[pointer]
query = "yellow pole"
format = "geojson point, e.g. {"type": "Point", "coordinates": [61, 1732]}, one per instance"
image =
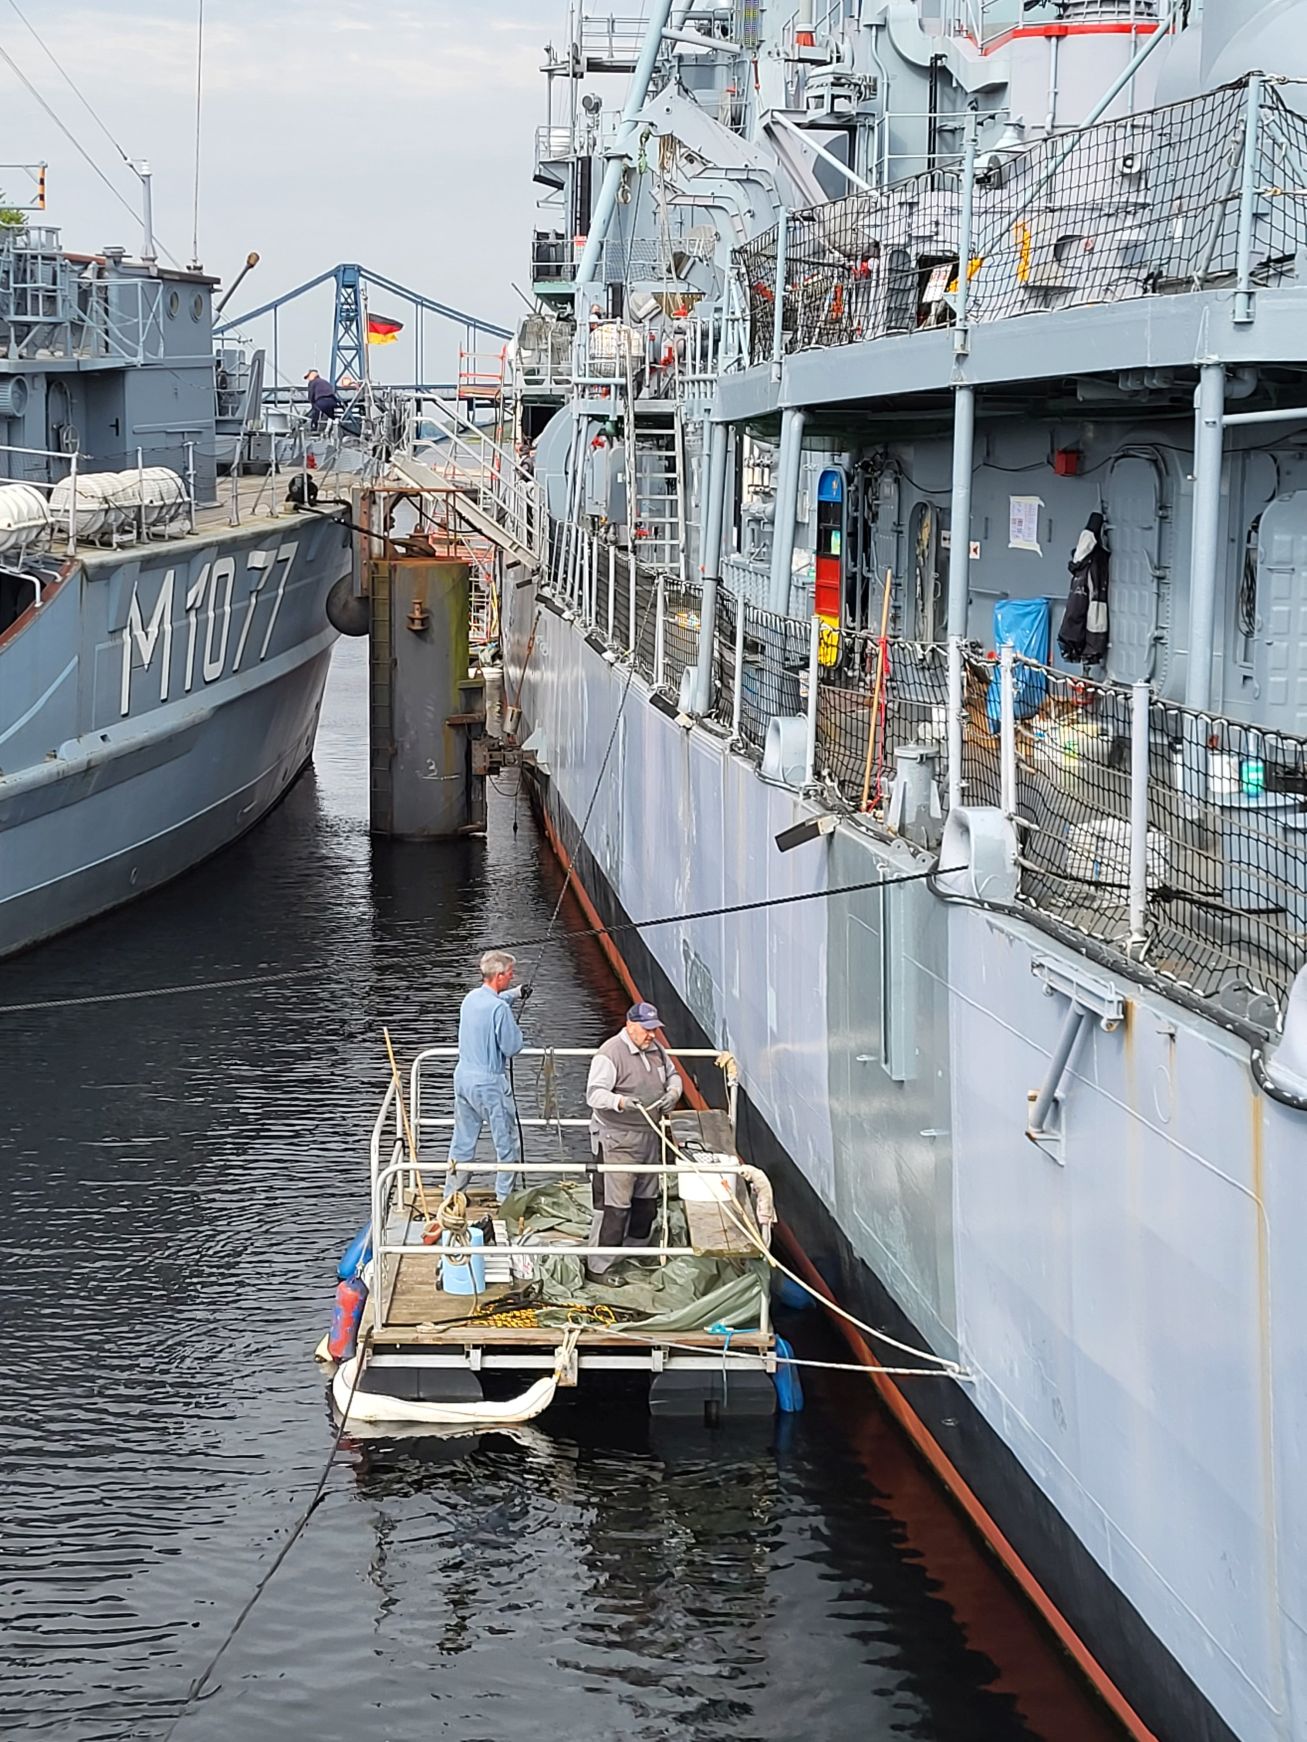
{"type": "Point", "coordinates": [408, 1129]}
{"type": "Point", "coordinates": [874, 723]}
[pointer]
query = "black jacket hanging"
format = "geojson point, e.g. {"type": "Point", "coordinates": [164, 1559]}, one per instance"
{"type": "Point", "coordinates": [1082, 638]}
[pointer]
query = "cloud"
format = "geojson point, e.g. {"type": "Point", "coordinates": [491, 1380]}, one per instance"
{"type": "Point", "coordinates": [381, 131]}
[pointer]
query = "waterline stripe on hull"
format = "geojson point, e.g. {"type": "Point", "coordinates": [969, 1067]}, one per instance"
{"type": "Point", "coordinates": [892, 1395]}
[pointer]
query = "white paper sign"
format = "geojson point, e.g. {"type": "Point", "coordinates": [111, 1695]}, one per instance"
{"type": "Point", "coordinates": [1023, 523]}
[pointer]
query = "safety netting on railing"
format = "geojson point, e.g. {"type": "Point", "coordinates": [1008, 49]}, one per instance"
{"type": "Point", "coordinates": [1227, 819]}
{"type": "Point", "coordinates": [853, 268]}
{"type": "Point", "coordinates": [980, 745]}
{"type": "Point", "coordinates": [1147, 204]}
{"type": "Point", "coordinates": [1071, 793]}
{"type": "Point", "coordinates": [1210, 892]}
{"type": "Point", "coordinates": [1222, 861]}
{"type": "Point", "coordinates": [875, 696]}
{"type": "Point", "coordinates": [682, 602]}
{"type": "Point", "coordinates": [773, 673]}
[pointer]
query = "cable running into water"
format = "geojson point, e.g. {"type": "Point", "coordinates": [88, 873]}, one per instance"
{"type": "Point", "coordinates": [198, 1685]}
{"type": "Point", "coordinates": [586, 931]}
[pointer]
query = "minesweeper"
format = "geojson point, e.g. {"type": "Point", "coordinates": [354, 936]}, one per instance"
{"type": "Point", "coordinates": [164, 640]}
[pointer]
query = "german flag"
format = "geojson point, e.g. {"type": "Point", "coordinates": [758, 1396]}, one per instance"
{"type": "Point", "coordinates": [383, 332]}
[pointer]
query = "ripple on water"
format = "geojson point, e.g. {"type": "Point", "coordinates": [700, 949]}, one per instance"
{"type": "Point", "coordinates": [179, 1178]}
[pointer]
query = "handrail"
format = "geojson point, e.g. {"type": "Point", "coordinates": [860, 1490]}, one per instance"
{"type": "Point", "coordinates": [507, 492]}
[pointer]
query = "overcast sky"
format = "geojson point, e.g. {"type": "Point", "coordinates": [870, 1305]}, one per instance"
{"type": "Point", "coordinates": [397, 133]}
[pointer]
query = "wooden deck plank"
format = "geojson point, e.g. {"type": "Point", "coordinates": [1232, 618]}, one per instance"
{"type": "Point", "coordinates": [420, 1313]}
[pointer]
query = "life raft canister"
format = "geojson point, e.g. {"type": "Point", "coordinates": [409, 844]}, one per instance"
{"type": "Point", "coordinates": [351, 1298]}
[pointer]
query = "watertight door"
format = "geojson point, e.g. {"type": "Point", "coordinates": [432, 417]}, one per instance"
{"type": "Point", "coordinates": [1134, 529]}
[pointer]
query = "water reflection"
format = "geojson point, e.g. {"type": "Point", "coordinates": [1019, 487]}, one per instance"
{"type": "Point", "coordinates": [180, 1175]}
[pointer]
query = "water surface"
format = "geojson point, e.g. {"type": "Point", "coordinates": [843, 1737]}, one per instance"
{"type": "Point", "coordinates": [179, 1175]}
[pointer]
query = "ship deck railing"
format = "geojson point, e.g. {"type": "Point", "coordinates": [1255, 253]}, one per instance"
{"type": "Point", "coordinates": [1173, 839]}
{"type": "Point", "coordinates": [410, 1319]}
{"type": "Point", "coordinates": [1201, 194]}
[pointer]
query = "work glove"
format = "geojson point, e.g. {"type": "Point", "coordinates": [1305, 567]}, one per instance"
{"type": "Point", "coordinates": [524, 992]}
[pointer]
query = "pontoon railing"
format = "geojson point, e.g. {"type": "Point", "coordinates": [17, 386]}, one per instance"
{"type": "Point", "coordinates": [396, 1175]}
{"type": "Point", "coordinates": [421, 1121]}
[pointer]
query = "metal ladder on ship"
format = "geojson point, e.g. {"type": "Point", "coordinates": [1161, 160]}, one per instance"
{"type": "Point", "coordinates": [658, 494]}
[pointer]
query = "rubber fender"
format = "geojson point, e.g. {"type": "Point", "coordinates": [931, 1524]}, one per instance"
{"type": "Point", "coordinates": [789, 1390]}
{"type": "Point", "coordinates": [356, 1254]}
{"type": "Point", "coordinates": [347, 612]}
{"type": "Point", "coordinates": [347, 1314]}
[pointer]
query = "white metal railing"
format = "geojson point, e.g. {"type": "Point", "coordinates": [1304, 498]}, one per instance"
{"type": "Point", "coordinates": [74, 513]}
{"type": "Point", "coordinates": [473, 463]}
{"type": "Point", "coordinates": [554, 144]}
{"type": "Point", "coordinates": [610, 38]}
{"type": "Point", "coordinates": [394, 1170]}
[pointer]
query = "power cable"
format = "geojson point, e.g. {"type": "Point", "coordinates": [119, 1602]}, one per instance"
{"type": "Point", "coordinates": [72, 138]}
{"type": "Point", "coordinates": [198, 1685]}
{"type": "Point", "coordinates": [588, 931]}
{"type": "Point", "coordinates": [67, 132]}
{"type": "Point", "coordinates": [68, 79]}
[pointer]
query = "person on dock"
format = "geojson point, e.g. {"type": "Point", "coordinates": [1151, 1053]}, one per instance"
{"type": "Point", "coordinates": [630, 1071]}
{"type": "Point", "coordinates": [488, 1037]}
{"type": "Point", "coordinates": [324, 402]}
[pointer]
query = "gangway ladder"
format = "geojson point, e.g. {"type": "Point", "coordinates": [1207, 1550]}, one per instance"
{"type": "Point", "coordinates": [481, 377]}
{"type": "Point", "coordinates": [485, 486]}
{"type": "Point", "coordinates": [658, 496]}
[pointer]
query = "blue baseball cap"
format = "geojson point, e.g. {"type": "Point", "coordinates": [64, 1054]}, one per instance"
{"type": "Point", "coordinates": [645, 1015]}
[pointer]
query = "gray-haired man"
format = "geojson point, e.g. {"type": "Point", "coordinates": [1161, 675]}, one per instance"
{"type": "Point", "coordinates": [488, 1036]}
{"type": "Point", "coordinates": [629, 1072]}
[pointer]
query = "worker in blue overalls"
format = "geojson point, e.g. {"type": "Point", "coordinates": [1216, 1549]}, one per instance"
{"type": "Point", "coordinates": [488, 1037]}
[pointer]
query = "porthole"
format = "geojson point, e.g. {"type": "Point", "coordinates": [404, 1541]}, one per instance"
{"type": "Point", "coordinates": [197, 307]}
{"type": "Point", "coordinates": [174, 303]}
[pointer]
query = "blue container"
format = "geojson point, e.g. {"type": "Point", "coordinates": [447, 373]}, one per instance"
{"type": "Point", "coordinates": [789, 1392]}
{"type": "Point", "coordinates": [468, 1277]}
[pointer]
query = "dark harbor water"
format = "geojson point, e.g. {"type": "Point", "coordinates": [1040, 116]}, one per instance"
{"type": "Point", "coordinates": [178, 1177]}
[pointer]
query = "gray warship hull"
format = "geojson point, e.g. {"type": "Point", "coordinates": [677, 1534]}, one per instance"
{"type": "Point", "coordinates": [156, 705]}
{"type": "Point", "coordinates": [1101, 1301]}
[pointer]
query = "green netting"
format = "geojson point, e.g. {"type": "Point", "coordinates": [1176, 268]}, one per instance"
{"type": "Point", "coordinates": [685, 1294]}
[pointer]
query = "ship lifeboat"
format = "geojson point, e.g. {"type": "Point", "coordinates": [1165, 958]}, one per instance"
{"type": "Point", "coordinates": [24, 516]}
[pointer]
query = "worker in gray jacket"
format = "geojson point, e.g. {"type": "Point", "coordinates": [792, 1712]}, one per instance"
{"type": "Point", "coordinates": [630, 1071]}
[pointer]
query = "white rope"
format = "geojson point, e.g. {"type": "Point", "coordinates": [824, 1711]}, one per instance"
{"type": "Point", "coordinates": [947, 1368]}
{"type": "Point", "coordinates": [788, 1360]}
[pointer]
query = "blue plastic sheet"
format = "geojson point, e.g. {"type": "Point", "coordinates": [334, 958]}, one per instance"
{"type": "Point", "coordinates": [1024, 624]}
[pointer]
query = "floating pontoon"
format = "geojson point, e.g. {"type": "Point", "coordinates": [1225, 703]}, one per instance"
{"type": "Point", "coordinates": [690, 1308]}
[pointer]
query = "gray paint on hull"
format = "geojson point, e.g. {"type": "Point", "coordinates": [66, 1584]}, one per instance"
{"type": "Point", "coordinates": [1113, 1307]}
{"type": "Point", "coordinates": [99, 804]}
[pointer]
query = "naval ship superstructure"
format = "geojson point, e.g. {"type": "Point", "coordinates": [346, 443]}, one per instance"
{"type": "Point", "coordinates": [917, 387]}
{"type": "Point", "coordinates": [163, 632]}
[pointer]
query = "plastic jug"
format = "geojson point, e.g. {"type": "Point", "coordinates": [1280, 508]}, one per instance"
{"type": "Point", "coordinates": [469, 1276]}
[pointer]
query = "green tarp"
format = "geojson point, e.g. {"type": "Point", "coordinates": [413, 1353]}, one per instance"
{"type": "Point", "coordinates": [685, 1294]}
